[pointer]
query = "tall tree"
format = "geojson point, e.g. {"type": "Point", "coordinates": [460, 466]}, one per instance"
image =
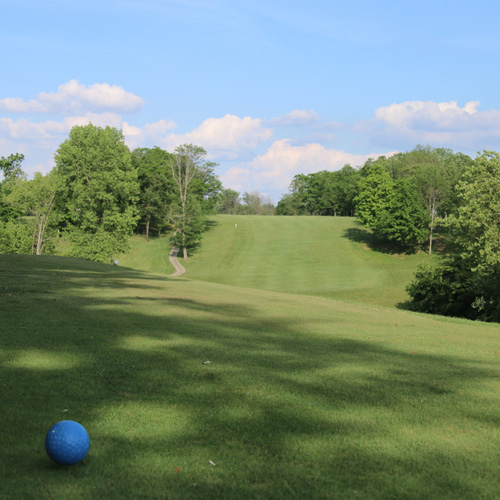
{"type": "Point", "coordinates": [404, 221]}
{"type": "Point", "coordinates": [156, 186]}
{"type": "Point", "coordinates": [100, 191]}
{"type": "Point", "coordinates": [431, 182]}
{"type": "Point", "coordinates": [187, 165]}
{"type": "Point", "coordinates": [375, 197]}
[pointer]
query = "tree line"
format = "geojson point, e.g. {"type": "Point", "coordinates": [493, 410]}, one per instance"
{"type": "Point", "coordinates": [99, 193]}
{"type": "Point", "coordinates": [399, 198]}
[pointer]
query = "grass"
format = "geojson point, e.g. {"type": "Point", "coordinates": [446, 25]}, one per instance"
{"type": "Point", "coordinates": [304, 397]}
{"type": "Point", "coordinates": [323, 256]}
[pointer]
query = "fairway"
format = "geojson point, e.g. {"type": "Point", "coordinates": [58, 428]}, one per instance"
{"type": "Point", "coordinates": [303, 397]}
{"type": "Point", "coordinates": [324, 256]}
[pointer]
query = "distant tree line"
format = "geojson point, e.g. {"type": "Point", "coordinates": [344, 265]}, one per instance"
{"type": "Point", "coordinates": [322, 193]}
{"type": "Point", "coordinates": [230, 202]}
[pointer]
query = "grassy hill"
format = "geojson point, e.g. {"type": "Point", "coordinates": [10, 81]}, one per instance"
{"type": "Point", "coordinates": [304, 397]}
{"type": "Point", "coordinates": [324, 256]}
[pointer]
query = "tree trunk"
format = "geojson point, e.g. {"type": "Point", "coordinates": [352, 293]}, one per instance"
{"type": "Point", "coordinates": [39, 239]}
{"type": "Point", "coordinates": [431, 226]}
{"type": "Point", "coordinates": [185, 253]}
{"type": "Point", "coordinates": [147, 227]}
{"type": "Point", "coordinates": [33, 241]}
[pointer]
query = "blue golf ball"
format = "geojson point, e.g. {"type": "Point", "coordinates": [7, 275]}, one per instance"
{"type": "Point", "coordinates": [67, 442]}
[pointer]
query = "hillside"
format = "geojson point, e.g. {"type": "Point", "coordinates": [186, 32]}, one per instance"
{"type": "Point", "coordinates": [303, 397]}
{"type": "Point", "coordinates": [324, 256]}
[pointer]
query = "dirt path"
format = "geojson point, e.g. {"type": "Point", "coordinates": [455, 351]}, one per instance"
{"type": "Point", "coordinates": [179, 268]}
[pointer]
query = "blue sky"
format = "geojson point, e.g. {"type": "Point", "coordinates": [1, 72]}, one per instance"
{"type": "Point", "coordinates": [269, 88]}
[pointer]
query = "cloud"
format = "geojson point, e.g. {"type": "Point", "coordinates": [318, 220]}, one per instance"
{"type": "Point", "coordinates": [436, 123]}
{"type": "Point", "coordinates": [296, 118]}
{"type": "Point", "coordinates": [149, 135]}
{"type": "Point", "coordinates": [275, 169]}
{"type": "Point", "coordinates": [223, 137]}
{"type": "Point", "coordinates": [39, 140]}
{"type": "Point", "coordinates": [74, 98]}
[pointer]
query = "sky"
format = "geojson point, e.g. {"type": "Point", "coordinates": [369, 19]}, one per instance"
{"type": "Point", "coordinates": [269, 88]}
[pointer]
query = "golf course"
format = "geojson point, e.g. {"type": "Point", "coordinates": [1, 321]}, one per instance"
{"type": "Point", "coordinates": [277, 367]}
{"type": "Point", "coordinates": [330, 257]}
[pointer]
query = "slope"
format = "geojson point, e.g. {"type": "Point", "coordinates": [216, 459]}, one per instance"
{"type": "Point", "coordinates": [324, 256]}
{"type": "Point", "coordinates": [303, 398]}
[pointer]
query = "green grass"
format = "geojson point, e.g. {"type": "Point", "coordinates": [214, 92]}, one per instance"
{"type": "Point", "coordinates": [324, 256]}
{"type": "Point", "coordinates": [305, 397]}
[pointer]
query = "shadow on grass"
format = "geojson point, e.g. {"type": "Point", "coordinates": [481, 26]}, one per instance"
{"type": "Point", "coordinates": [373, 242]}
{"type": "Point", "coordinates": [281, 414]}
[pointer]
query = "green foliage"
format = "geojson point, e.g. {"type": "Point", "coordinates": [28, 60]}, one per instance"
{"type": "Point", "coordinates": [404, 221]}
{"type": "Point", "coordinates": [321, 193]}
{"type": "Point", "coordinates": [156, 187]}
{"type": "Point", "coordinates": [197, 190]}
{"type": "Point", "coordinates": [36, 198]}
{"type": "Point", "coordinates": [16, 236]}
{"type": "Point", "coordinates": [375, 197]}
{"type": "Point", "coordinates": [100, 191]}
{"type": "Point", "coordinates": [10, 168]}
{"type": "Point", "coordinates": [466, 283]}
{"type": "Point", "coordinates": [192, 221]}
{"type": "Point", "coordinates": [229, 202]}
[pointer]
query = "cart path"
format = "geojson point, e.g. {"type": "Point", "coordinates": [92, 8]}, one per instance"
{"type": "Point", "coordinates": [179, 268]}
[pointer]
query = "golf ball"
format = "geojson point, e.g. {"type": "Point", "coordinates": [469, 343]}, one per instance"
{"type": "Point", "coordinates": [115, 262]}
{"type": "Point", "coordinates": [67, 442]}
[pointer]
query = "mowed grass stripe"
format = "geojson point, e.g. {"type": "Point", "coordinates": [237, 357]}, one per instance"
{"type": "Point", "coordinates": [304, 397]}
{"type": "Point", "coordinates": [323, 256]}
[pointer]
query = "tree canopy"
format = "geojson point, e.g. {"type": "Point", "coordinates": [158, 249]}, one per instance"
{"type": "Point", "coordinates": [466, 283]}
{"type": "Point", "coordinates": [100, 191]}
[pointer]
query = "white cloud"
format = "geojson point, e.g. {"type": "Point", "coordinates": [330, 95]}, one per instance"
{"type": "Point", "coordinates": [223, 137]}
{"type": "Point", "coordinates": [436, 123]}
{"type": "Point", "coordinates": [275, 169]}
{"type": "Point", "coordinates": [39, 140]}
{"type": "Point", "coordinates": [296, 118]}
{"type": "Point", "coordinates": [73, 98]}
{"type": "Point", "coordinates": [151, 134]}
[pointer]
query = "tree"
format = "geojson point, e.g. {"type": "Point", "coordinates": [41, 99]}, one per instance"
{"type": "Point", "coordinates": [155, 184]}
{"type": "Point", "coordinates": [375, 197]}
{"type": "Point", "coordinates": [432, 185]}
{"type": "Point", "coordinates": [287, 205]}
{"type": "Point", "coordinates": [100, 191]}
{"type": "Point", "coordinates": [229, 202]}
{"type": "Point", "coordinates": [346, 190]}
{"type": "Point", "coordinates": [15, 234]}
{"type": "Point", "coordinates": [466, 283]}
{"type": "Point", "coordinates": [10, 168]}
{"type": "Point", "coordinates": [256, 203]}
{"type": "Point", "coordinates": [404, 220]}
{"type": "Point", "coordinates": [188, 164]}
{"type": "Point", "coordinates": [36, 199]}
